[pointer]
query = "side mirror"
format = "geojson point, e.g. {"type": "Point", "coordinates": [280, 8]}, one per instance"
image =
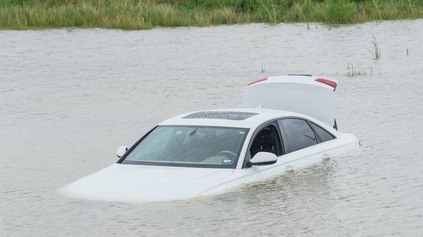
{"type": "Point", "coordinates": [121, 151]}
{"type": "Point", "coordinates": [264, 158]}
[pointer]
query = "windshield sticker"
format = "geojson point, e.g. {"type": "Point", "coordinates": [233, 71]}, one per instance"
{"type": "Point", "coordinates": [226, 162]}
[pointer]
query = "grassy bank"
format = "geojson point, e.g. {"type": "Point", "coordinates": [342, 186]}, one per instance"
{"type": "Point", "coordinates": [146, 14]}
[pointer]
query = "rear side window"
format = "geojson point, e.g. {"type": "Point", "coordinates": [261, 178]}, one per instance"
{"type": "Point", "coordinates": [321, 133]}
{"type": "Point", "coordinates": [297, 134]}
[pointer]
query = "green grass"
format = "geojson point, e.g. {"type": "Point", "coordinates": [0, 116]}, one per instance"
{"type": "Point", "coordinates": [146, 14]}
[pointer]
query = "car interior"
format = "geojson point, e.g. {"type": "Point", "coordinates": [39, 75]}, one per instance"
{"type": "Point", "coordinates": [266, 140]}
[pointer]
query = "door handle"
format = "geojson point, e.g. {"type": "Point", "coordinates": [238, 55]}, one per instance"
{"type": "Point", "coordinates": [325, 157]}
{"type": "Point", "coordinates": [289, 168]}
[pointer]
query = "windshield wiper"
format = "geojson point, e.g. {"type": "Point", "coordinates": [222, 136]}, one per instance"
{"type": "Point", "coordinates": [193, 132]}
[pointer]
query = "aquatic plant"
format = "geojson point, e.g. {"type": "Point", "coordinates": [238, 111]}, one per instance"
{"type": "Point", "coordinates": [375, 51]}
{"type": "Point", "coordinates": [353, 71]}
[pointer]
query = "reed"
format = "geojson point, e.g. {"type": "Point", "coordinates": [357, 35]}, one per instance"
{"type": "Point", "coordinates": [353, 71]}
{"type": "Point", "coordinates": [146, 14]}
{"type": "Point", "coordinates": [375, 51]}
{"type": "Point", "coordinates": [271, 12]}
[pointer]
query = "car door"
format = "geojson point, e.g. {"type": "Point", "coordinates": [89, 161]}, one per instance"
{"type": "Point", "coordinates": [297, 143]}
{"type": "Point", "coordinates": [266, 138]}
{"type": "Point", "coordinates": [302, 142]}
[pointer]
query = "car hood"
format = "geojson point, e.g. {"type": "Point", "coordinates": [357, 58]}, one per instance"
{"type": "Point", "coordinates": [140, 183]}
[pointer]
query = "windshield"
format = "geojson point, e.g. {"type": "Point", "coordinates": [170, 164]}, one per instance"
{"type": "Point", "coordinates": [194, 146]}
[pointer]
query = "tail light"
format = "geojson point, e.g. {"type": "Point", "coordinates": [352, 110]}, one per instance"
{"type": "Point", "coordinates": [328, 82]}
{"type": "Point", "coordinates": [257, 81]}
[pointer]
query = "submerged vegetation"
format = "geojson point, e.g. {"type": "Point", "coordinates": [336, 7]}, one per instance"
{"type": "Point", "coordinates": [353, 71]}
{"type": "Point", "coordinates": [375, 51]}
{"type": "Point", "coordinates": [146, 14]}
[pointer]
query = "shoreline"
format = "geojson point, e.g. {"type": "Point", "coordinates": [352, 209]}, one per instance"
{"type": "Point", "coordinates": [137, 15]}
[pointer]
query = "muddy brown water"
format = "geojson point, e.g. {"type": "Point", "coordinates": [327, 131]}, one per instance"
{"type": "Point", "coordinates": [69, 98]}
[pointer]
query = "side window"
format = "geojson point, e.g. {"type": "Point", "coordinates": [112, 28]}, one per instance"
{"type": "Point", "coordinates": [297, 134]}
{"type": "Point", "coordinates": [321, 133]}
{"type": "Point", "coordinates": [267, 139]}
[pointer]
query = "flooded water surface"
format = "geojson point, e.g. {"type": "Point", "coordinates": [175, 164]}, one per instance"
{"type": "Point", "coordinates": [69, 98]}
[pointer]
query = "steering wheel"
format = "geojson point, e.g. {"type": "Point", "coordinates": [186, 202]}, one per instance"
{"type": "Point", "coordinates": [228, 154]}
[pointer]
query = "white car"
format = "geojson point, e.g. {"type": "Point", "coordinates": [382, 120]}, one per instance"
{"type": "Point", "coordinates": [285, 123]}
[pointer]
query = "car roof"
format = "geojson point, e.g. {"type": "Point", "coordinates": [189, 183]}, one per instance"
{"type": "Point", "coordinates": [235, 117]}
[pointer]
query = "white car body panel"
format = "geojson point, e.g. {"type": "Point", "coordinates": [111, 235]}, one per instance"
{"type": "Point", "coordinates": [138, 183]}
{"type": "Point", "coordinates": [152, 183]}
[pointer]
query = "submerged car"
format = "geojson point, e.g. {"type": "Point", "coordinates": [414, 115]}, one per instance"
{"type": "Point", "coordinates": [284, 123]}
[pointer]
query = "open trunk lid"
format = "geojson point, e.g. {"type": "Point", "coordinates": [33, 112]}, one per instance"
{"type": "Point", "coordinates": [303, 94]}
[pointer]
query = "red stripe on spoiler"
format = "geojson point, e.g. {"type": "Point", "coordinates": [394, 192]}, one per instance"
{"type": "Point", "coordinates": [327, 82]}
{"type": "Point", "coordinates": [256, 81]}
